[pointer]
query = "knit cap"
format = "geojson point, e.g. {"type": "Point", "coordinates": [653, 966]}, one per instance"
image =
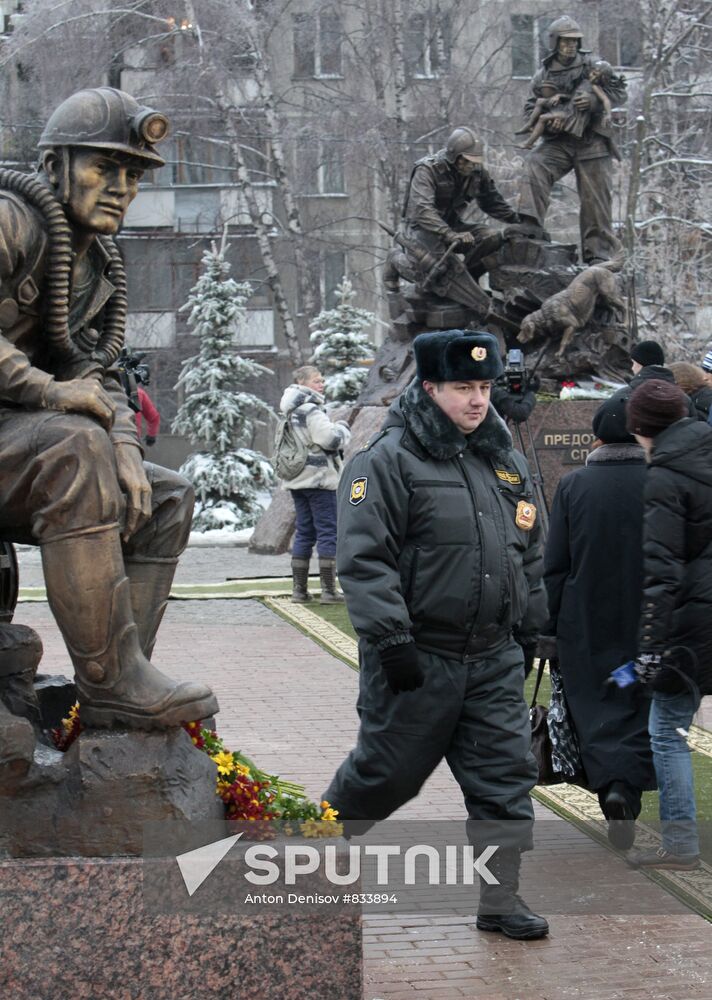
{"type": "Point", "coordinates": [648, 352]}
{"type": "Point", "coordinates": [707, 362]}
{"type": "Point", "coordinates": [655, 405]}
{"type": "Point", "coordinates": [609, 423]}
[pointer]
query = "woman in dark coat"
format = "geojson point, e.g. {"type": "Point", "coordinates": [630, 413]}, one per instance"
{"type": "Point", "coordinates": [593, 575]}
{"type": "Point", "coordinates": [675, 646]}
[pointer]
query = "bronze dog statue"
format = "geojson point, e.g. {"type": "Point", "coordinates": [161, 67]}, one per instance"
{"type": "Point", "coordinates": [570, 309]}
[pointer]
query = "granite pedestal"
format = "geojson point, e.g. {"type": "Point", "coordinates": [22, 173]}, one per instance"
{"type": "Point", "coordinates": [78, 928]}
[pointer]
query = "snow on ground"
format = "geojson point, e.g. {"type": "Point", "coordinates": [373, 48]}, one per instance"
{"type": "Point", "coordinates": [221, 536]}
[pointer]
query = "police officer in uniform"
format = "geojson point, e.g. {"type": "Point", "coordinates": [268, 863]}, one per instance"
{"type": "Point", "coordinates": [439, 558]}
{"type": "Point", "coordinates": [72, 477]}
{"type": "Point", "coordinates": [558, 153]}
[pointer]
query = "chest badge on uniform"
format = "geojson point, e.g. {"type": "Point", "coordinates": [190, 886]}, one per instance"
{"type": "Point", "coordinates": [358, 490]}
{"type": "Point", "coordinates": [526, 515]}
{"type": "Point", "coordinates": [508, 477]}
{"type": "Point", "coordinates": [478, 353]}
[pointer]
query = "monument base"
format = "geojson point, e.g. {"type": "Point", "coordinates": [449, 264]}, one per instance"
{"type": "Point", "coordinates": [560, 430]}
{"type": "Point", "coordinates": [93, 800]}
{"type": "Point", "coordinates": [92, 937]}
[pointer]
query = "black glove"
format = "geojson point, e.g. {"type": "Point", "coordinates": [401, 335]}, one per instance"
{"type": "Point", "coordinates": [150, 440]}
{"type": "Point", "coordinates": [529, 651]}
{"type": "Point", "coordinates": [534, 383]}
{"type": "Point", "coordinates": [400, 665]}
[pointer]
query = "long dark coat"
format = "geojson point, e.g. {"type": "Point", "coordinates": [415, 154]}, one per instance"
{"type": "Point", "coordinates": [593, 571]}
{"type": "Point", "coordinates": [677, 549]}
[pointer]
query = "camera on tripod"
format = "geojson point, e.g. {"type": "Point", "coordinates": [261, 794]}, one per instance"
{"type": "Point", "coordinates": [133, 364]}
{"type": "Point", "coordinates": [133, 373]}
{"type": "Point", "coordinates": [515, 376]}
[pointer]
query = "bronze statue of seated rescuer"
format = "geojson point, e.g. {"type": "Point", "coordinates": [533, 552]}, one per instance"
{"type": "Point", "coordinates": [72, 478]}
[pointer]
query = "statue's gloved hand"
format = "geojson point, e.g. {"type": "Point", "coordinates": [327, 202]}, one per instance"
{"type": "Point", "coordinates": [81, 396]}
{"type": "Point", "coordinates": [463, 239]}
{"type": "Point", "coordinates": [135, 486]}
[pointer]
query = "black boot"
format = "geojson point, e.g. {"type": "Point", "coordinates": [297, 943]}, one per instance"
{"type": "Point", "coordinates": [617, 805]}
{"type": "Point", "coordinates": [501, 908]}
{"type": "Point", "coordinates": [327, 573]}
{"type": "Point", "coordinates": [300, 580]}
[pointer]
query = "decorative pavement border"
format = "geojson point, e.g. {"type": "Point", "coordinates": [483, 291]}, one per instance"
{"type": "Point", "coordinates": [257, 587]}
{"type": "Point", "coordinates": [317, 628]}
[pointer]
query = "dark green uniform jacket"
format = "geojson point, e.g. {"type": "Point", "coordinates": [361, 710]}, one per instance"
{"type": "Point", "coordinates": [439, 535]}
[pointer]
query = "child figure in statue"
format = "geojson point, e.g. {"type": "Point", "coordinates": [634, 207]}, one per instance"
{"type": "Point", "coordinates": [564, 111]}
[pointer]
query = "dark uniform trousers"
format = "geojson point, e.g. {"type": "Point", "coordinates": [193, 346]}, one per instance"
{"type": "Point", "coordinates": [58, 479]}
{"type": "Point", "coordinates": [473, 715]}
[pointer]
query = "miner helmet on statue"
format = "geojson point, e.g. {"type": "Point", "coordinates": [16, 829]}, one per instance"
{"type": "Point", "coordinates": [105, 118]}
{"type": "Point", "coordinates": [564, 27]}
{"type": "Point", "coordinates": [464, 142]}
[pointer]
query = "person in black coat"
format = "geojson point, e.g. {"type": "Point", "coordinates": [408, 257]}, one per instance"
{"type": "Point", "coordinates": [593, 574]}
{"type": "Point", "coordinates": [647, 362]}
{"type": "Point", "coordinates": [675, 648]}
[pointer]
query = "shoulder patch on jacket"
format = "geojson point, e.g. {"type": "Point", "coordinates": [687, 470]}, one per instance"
{"type": "Point", "coordinates": [509, 477]}
{"type": "Point", "coordinates": [358, 490]}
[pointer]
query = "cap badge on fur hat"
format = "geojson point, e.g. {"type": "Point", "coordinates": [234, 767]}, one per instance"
{"type": "Point", "coordinates": [457, 356]}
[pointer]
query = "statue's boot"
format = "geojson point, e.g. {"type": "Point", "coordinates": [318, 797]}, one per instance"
{"type": "Point", "coordinates": [89, 595]}
{"type": "Point", "coordinates": [151, 581]}
{"type": "Point", "coordinates": [20, 653]}
{"type": "Point", "coordinates": [17, 744]}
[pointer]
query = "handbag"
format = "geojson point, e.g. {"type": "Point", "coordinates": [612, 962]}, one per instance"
{"type": "Point", "coordinates": [541, 740]}
{"type": "Point", "coordinates": [565, 751]}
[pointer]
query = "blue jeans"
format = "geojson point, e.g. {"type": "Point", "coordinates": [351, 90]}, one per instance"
{"type": "Point", "coordinates": [316, 523]}
{"type": "Point", "coordinates": [673, 767]}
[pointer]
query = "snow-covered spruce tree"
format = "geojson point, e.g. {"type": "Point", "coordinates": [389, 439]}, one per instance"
{"type": "Point", "coordinates": [216, 414]}
{"type": "Point", "coordinates": [340, 342]}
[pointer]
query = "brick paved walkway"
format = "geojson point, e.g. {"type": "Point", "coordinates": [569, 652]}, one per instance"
{"type": "Point", "coordinates": [290, 705]}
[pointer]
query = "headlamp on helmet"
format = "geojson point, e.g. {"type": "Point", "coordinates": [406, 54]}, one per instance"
{"type": "Point", "coordinates": [150, 126]}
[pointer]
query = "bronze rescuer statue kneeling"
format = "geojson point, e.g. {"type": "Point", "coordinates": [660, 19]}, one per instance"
{"type": "Point", "coordinates": [72, 477]}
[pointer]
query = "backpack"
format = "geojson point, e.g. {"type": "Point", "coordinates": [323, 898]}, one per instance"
{"type": "Point", "coordinates": [290, 452]}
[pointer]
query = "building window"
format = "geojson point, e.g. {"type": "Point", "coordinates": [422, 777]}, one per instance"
{"type": "Point", "coordinates": [529, 43]}
{"type": "Point", "coordinates": [333, 269]}
{"type": "Point", "coordinates": [201, 161]}
{"type": "Point", "coordinates": [317, 44]}
{"type": "Point", "coordinates": [428, 43]}
{"type": "Point", "coordinates": [621, 40]}
{"type": "Point", "coordinates": [328, 268]}
{"type": "Point", "coordinates": [321, 166]}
